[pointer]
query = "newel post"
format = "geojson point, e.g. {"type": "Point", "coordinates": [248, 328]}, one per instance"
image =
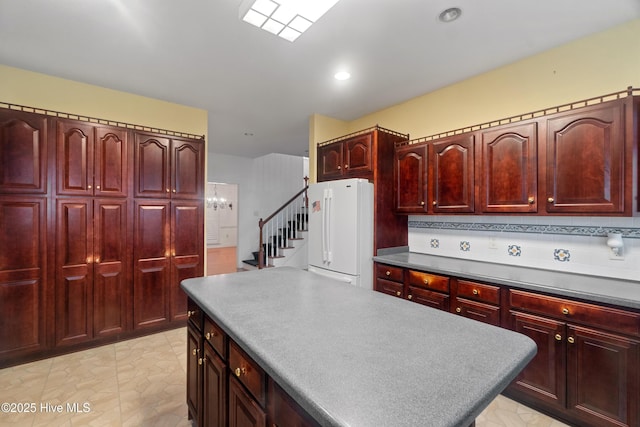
{"type": "Point", "coordinates": [261, 247]}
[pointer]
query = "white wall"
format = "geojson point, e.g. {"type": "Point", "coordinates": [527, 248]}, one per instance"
{"type": "Point", "coordinates": [531, 242]}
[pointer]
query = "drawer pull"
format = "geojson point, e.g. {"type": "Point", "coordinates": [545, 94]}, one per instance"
{"type": "Point", "coordinates": [458, 309]}
{"type": "Point", "coordinates": [202, 360]}
{"type": "Point", "coordinates": [426, 282]}
{"type": "Point", "coordinates": [410, 297]}
{"type": "Point", "coordinates": [558, 337]}
{"type": "Point", "coordinates": [565, 311]}
{"type": "Point", "coordinates": [550, 200]}
{"type": "Point", "coordinates": [208, 335]}
{"type": "Point", "coordinates": [240, 371]}
{"type": "Point", "coordinates": [398, 293]}
{"type": "Point", "coordinates": [388, 273]}
{"type": "Point", "coordinates": [191, 313]}
{"type": "Point", "coordinates": [571, 340]}
{"type": "Point", "coordinates": [475, 292]}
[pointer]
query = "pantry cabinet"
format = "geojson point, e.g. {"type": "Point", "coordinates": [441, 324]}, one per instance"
{"type": "Point", "coordinates": [85, 259]}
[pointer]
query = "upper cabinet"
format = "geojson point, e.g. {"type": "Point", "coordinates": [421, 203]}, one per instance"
{"type": "Point", "coordinates": [23, 152]}
{"type": "Point", "coordinates": [349, 158]}
{"type": "Point", "coordinates": [576, 159]}
{"type": "Point", "coordinates": [168, 167]}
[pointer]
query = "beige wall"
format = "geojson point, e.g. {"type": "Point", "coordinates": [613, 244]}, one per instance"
{"type": "Point", "coordinates": [596, 65]}
{"type": "Point", "coordinates": [31, 89]}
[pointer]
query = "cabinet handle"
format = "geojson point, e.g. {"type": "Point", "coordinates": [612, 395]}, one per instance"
{"type": "Point", "coordinates": [208, 335]}
{"type": "Point", "coordinates": [339, 167]}
{"type": "Point", "coordinates": [89, 187]}
{"type": "Point", "coordinates": [168, 191]}
{"type": "Point", "coordinates": [398, 293]}
{"type": "Point", "coordinates": [426, 282]}
{"type": "Point", "coordinates": [435, 202]}
{"type": "Point", "coordinates": [202, 360]}
{"type": "Point", "coordinates": [422, 203]}
{"type": "Point", "coordinates": [97, 187]}
{"type": "Point", "coordinates": [531, 200]}
{"type": "Point", "coordinates": [346, 166]}
{"type": "Point", "coordinates": [240, 371]}
{"type": "Point", "coordinates": [195, 351]}
{"type": "Point", "coordinates": [388, 273]}
{"type": "Point", "coordinates": [550, 200]}
{"type": "Point", "coordinates": [174, 190]}
{"type": "Point", "coordinates": [565, 311]}
{"type": "Point", "coordinates": [558, 337]}
{"type": "Point", "coordinates": [571, 340]}
{"type": "Point", "coordinates": [191, 313]}
{"type": "Point", "coordinates": [475, 292]}
{"type": "Point", "coordinates": [410, 296]}
{"type": "Point", "coordinates": [97, 260]}
{"type": "Point", "coordinates": [458, 309]}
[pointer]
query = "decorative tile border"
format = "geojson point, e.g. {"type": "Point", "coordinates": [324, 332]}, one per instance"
{"type": "Point", "coordinates": [574, 230]}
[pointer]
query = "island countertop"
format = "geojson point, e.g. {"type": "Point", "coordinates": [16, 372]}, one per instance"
{"type": "Point", "coordinates": [354, 357]}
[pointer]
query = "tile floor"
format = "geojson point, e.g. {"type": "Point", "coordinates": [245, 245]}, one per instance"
{"type": "Point", "coordinates": [141, 382]}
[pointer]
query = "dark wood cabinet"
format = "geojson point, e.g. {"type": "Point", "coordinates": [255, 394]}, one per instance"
{"type": "Point", "coordinates": [24, 285]}
{"type": "Point", "coordinates": [194, 374]}
{"type": "Point", "coordinates": [411, 173]}
{"type": "Point", "coordinates": [168, 167]}
{"type": "Point", "coordinates": [509, 169]}
{"type": "Point", "coordinates": [282, 411]}
{"type": "Point", "coordinates": [350, 158]}
{"type": "Point", "coordinates": [478, 301]}
{"type": "Point", "coordinates": [452, 168]}
{"type": "Point", "coordinates": [244, 411]}
{"type": "Point", "coordinates": [585, 370]}
{"type": "Point", "coordinates": [585, 171]}
{"type": "Point", "coordinates": [23, 153]}
{"type": "Point", "coordinates": [214, 385]}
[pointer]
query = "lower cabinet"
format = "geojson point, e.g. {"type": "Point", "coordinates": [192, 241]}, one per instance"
{"type": "Point", "coordinates": [587, 368]}
{"type": "Point", "coordinates": [225, 387]}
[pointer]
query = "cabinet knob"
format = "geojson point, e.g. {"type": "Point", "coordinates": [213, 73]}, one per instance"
{"type": "Point", "coordinates": [571, 340]}
{"type": "Point", "coordinates": [531, 200]}
{"type": "Point", "coordinates": [240, 371]}
{"type": "Point", "coordinates": [346, 166]}
{"type": "Point", "coordinates": [388, 273]}
{"type": "Point", "coordinates": [89, 187]}
{"type": "Point", "coordinates": [398, 293]}
{"type": "Point", "coordinates": [550, 200]}
{"type": "Point", "coordinates": [422, 203]}
{"type": "Point", "coordinates": [458, 309]}
{"type": "Point", "coordinates": [208, 335]}
{"type": "Point", "coordinates": [565, 311]}
{"type": "Point", "coordinates": [558, 337]}
{"type": "Point", "coordinates": [97, 187]}
{"type": "Point", "coordinates": [195, 351]}
{"type": "Point", "coordinates": [434, 203]}
{"type": "Point", "coordinates": [168, 191]}
{"type": "Point", "coordinates": [339, 167]}
{"type": "Point", "coordinates": [174, 190]}
{"type": "Point", "coordinates": [191, 313]}
{"type": "Point", "coordinates": [97, 260]}
{"type": "Point", "coordinates": [410, 296]}
{"type": "Point", "coordinates": [475, 292]}
{"type": "Point", "coordinates": [426, 282]}
{"type": "Point", "coordinates": [202, 360]}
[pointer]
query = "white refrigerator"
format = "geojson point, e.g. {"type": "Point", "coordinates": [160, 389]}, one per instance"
{"type": "Point", "coordinates": [341, 230]}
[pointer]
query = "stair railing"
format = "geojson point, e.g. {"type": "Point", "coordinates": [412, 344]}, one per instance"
{"type": "Point", "coordinates": [275, 229]}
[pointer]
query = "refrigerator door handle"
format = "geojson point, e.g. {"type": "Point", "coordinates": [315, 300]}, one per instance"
{"type": "Point", "coordinates": [328, 210]}
{"type": "Point", "coordinates": [323, 233]}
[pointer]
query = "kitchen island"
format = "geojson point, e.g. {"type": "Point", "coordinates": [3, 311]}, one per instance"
{"type": "Point", "coordinates": [352, 357]}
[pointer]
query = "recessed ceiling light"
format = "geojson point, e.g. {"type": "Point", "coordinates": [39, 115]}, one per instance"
{"type": "Point", "coordinates": [450, 14]}
{"type": "Point", "coordinates": [342, 75]}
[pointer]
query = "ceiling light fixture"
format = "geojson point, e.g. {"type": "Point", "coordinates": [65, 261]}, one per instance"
{"type": "Point", "coordinates": [342, 75]}
{"type": "Point", "coordinates": [450, 15]}
{"type": "Point", "coordinates": [285, 18]}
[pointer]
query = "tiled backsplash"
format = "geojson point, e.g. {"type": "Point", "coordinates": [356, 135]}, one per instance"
{"type": "Point", "coordinates": [568, 244]}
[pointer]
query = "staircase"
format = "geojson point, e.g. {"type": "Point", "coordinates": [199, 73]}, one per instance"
{"type": "Point", "coordinates": [283, 235]}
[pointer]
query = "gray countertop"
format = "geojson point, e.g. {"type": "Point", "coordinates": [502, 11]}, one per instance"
{"type": "Point", "coordinates": [624, 293]}
{"type": "Point", "coordinates": [354, 357]}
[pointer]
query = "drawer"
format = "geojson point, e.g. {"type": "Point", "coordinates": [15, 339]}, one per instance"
{"type": "Point", "coordinates": [479, 292]}
{"type": "Point", "coordinates": [481, 312]}
{"type": "Point", "coordinates": [247, 372]}
{"type": "Point", "coordinates": [215, 336]}
{"type": "Point", "coordinates": [429, 298]}
{"type": "Point", "coordinates": [429, 281]}
{"type": "Point", "coordinates": [195, 314]}
{"type": "Point", "coordinates": [390, 273]}
{"type": "Point", "coordinates": [571, 311]}
{"type": "Point", "coordinates": [389, 287]}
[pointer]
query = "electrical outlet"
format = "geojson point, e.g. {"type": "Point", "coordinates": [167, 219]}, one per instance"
{"type": "Point", "coordinates": [618, 256]}
{"type": "Point", "coordinates": [492, 243]}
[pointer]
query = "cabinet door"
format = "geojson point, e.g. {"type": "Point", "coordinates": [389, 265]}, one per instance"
{"type": "Point", "coordinates": [358, 156]}
{"type": "Point", "coordinates": [151, 166]}
{"type": "Point", "coordinates": [111, 165]}
{"type": "Point", "coordinates": [194, 382]}
{"type": "Point", "coordinates": [187, 240]}
{"type": "Point", "coordinates": [602, 377]}
{"type": "Point", "coordinates": [243, 410]}
{"type": "Point", "coordinates": [585, 161]}
{"type": "Point", "coordinates": [214, 385]}
{"type": "Point", "coordinates": [151, 254]}
{"type": "Point", "coordinates": [544, 377]}
{"type": "Point", "coordinates": [74, 270]}
{"type": "Point", "coordinates": [453, 174]}
{"type": "Point", "coordinates": [509, 169]}
{"type": "Point", "coordinates": [111, 288]}
{"type": "Point", "coordinates": [23, 152]}
{"type": "Point", "coordinates": [330, 161]}
{"type": "Point", "coordinates": [187, 169]}
{"type": "Point", "coordinates": [74, 158]}
{"type": "Point", "coordinates": [411, 179]}
{"type": "Point", "coordinates": [283, 411]}
{"type": "Point", "coordinates": [23, 249]}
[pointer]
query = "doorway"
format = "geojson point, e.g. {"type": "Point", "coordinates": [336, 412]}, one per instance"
{"type": "Point", "coordinates": [221, 217]}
